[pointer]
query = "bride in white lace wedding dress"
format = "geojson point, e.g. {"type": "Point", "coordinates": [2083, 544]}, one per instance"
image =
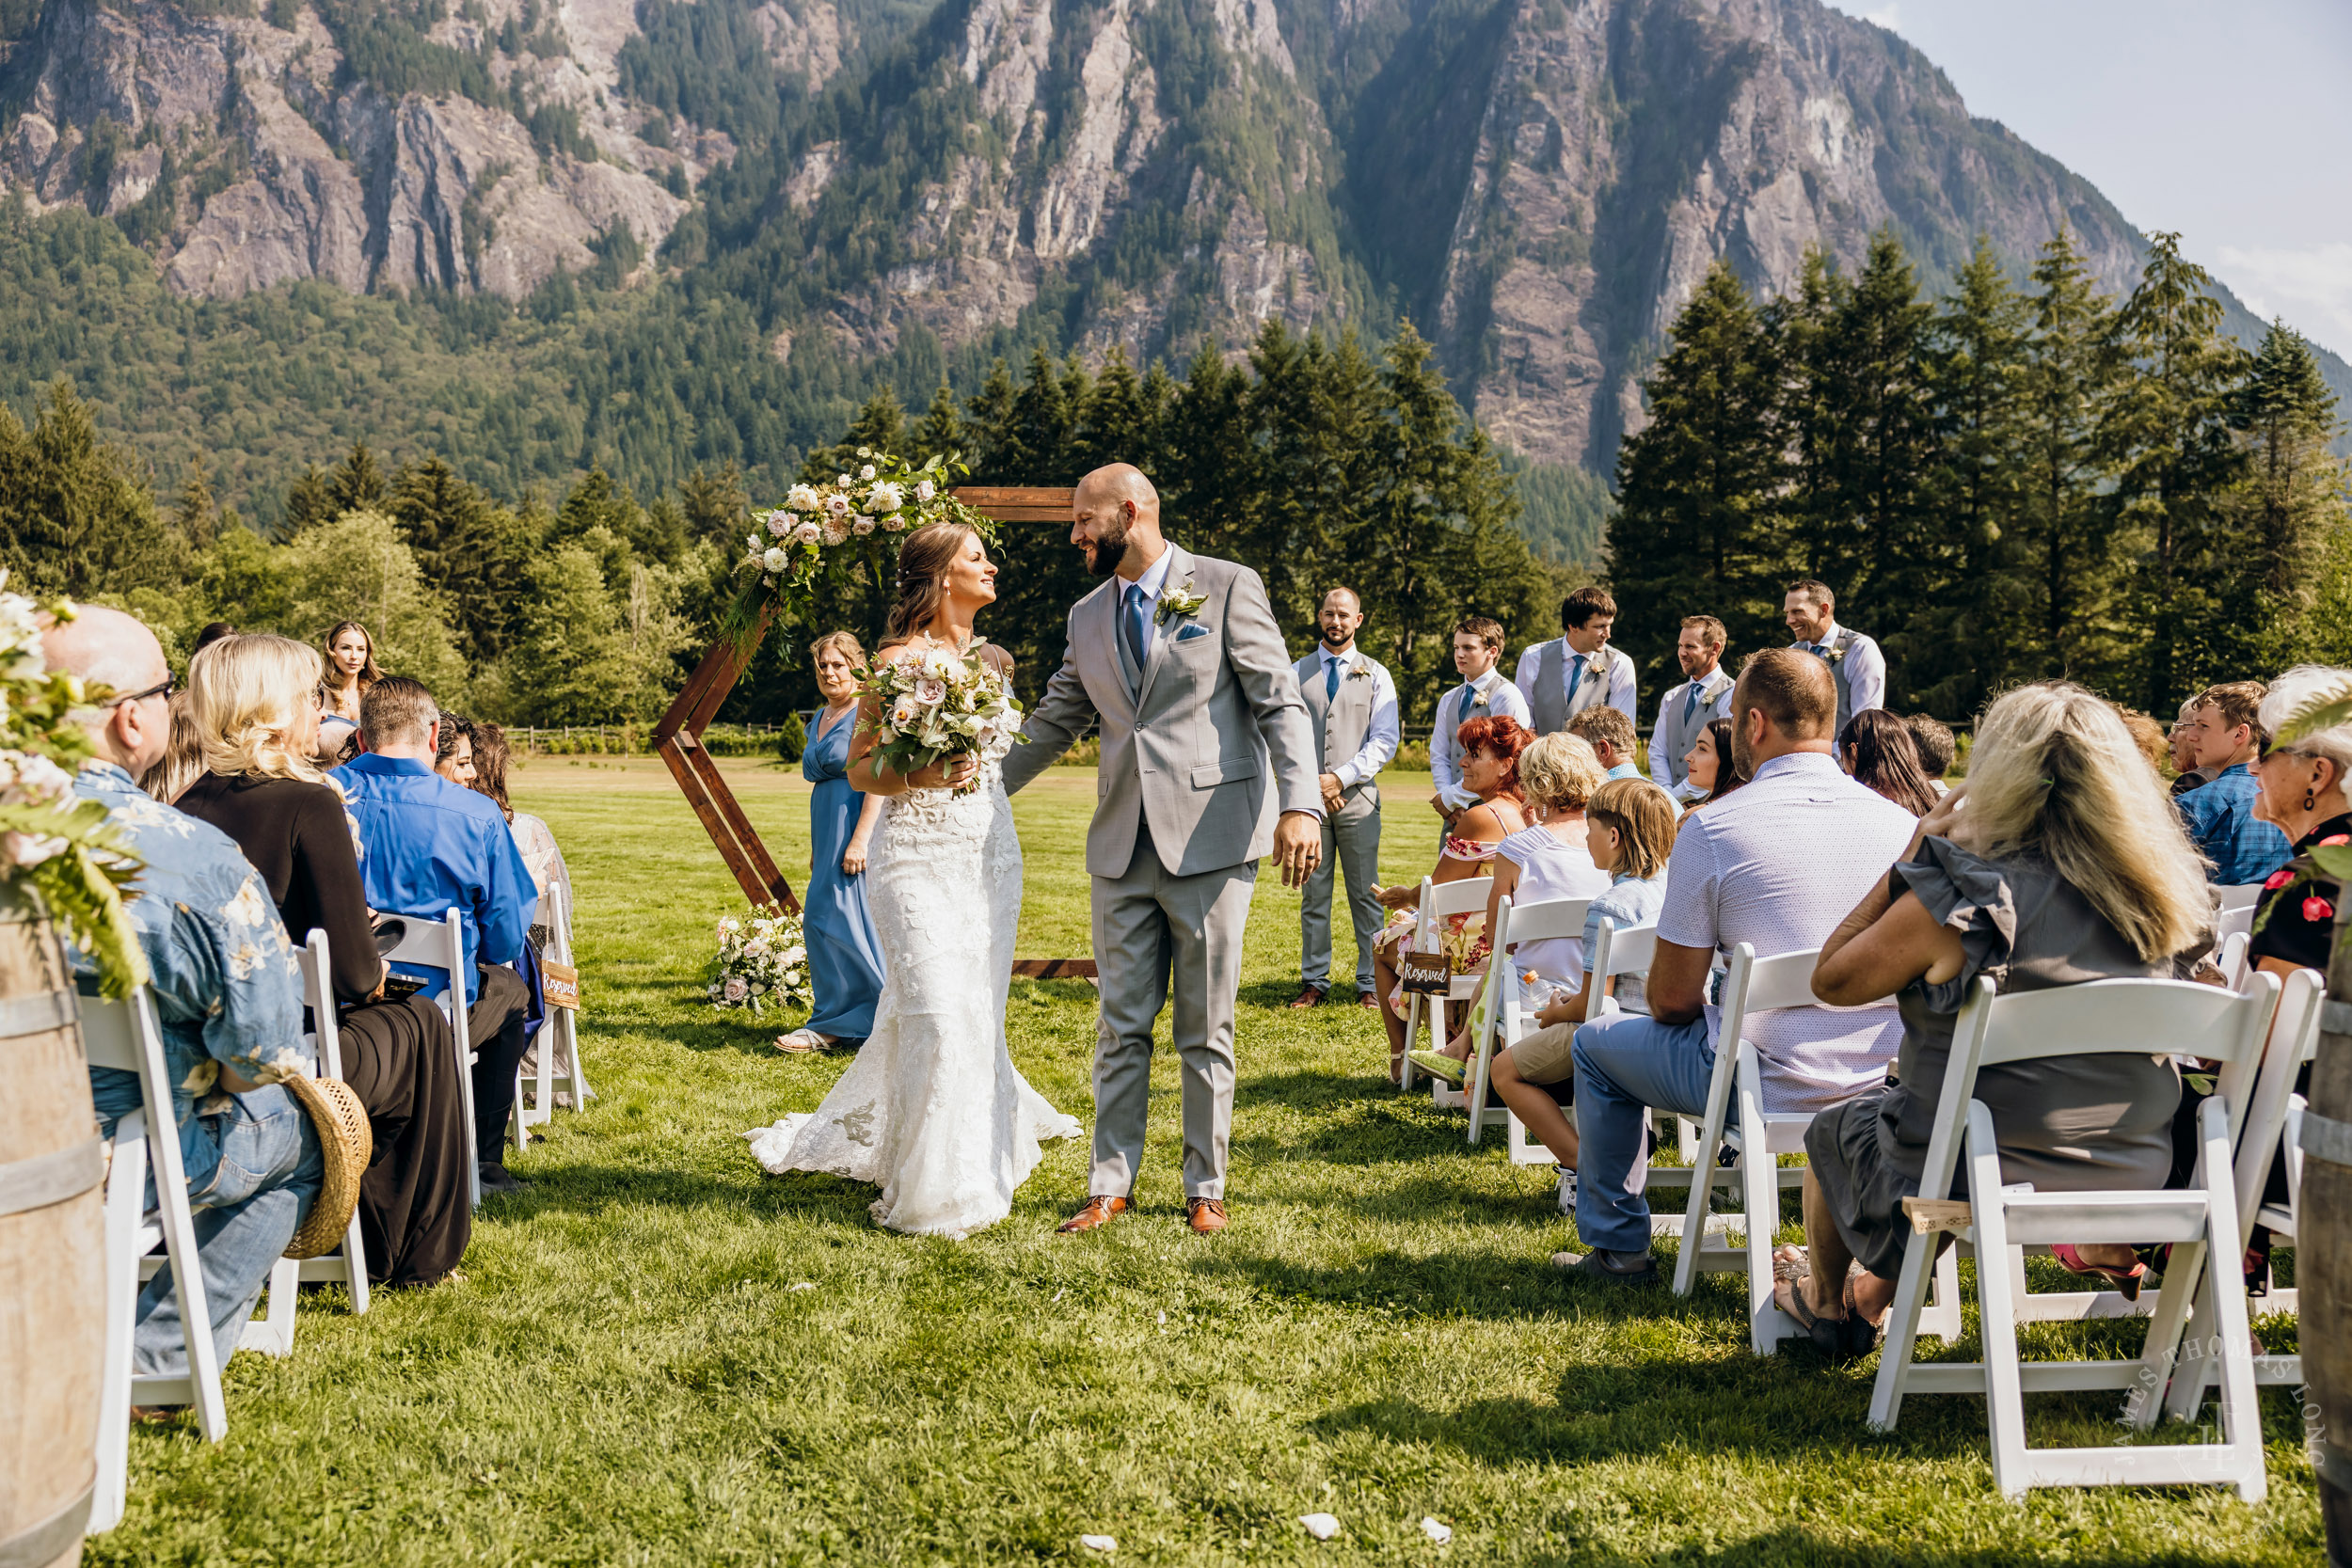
{"type": "Point", "coordinates": [932, 1109]}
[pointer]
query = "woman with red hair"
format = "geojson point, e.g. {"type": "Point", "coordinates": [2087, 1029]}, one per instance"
{"type": "Point", "coordinates": [1490, 770]}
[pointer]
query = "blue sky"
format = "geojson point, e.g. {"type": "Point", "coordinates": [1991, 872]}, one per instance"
{"type": "Point", "coordinates": [2229, 120]}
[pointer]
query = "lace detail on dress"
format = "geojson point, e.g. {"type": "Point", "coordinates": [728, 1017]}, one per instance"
{"type": "Point", "coordinates": [933, 1110]}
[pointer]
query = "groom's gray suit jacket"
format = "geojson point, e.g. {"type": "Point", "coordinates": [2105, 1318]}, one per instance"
{"type": "Point", "coordinates": [1210, 748]}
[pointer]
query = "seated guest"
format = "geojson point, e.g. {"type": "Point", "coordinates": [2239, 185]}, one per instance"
{"type": "Point", "coordinates": [2065, 867]}
{"type": "Point", "coordinates": [1490, 770]}
{"type": "Point", "coordinates": [1875, 748]}
{"type": "Point", "coordinates": [227, 994]}
{"type": "Point", "coordinates": [1551, 859]}
{"type": "Point", "coordinates": [1630, 831]}
{"type": "Point", "coordinates": [1775, 865]}
{"type": "Point", "coordinates": [1709, 765]}
{"type": "Point", "coordinates": [432, 846]}
{"type": "Point", "coordinates": [492, 757]}
{"type": "Point", "coordinates": [256, 705]}
{"type": "Point", "coordinates": [2182, 747]}
{"type": "Point", "coordinates": [452, 754]}
{"type": "Point", "coordinates": [1609, 733]}
{"type": "Point", "coordinates": [2220, 815]}
{"type": "Point", "coordinates": [1483, 693]}
{"type": "Point", "coordinates": [1933, 739]}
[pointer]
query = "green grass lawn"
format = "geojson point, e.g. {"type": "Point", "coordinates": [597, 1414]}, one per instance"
{"type": "Point", "coordinates": [628, 1374]}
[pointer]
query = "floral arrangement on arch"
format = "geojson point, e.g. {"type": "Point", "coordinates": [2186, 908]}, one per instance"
{"type": "Point", "coordinates": [762, 962]}
{"type": "Point", "coordinates": [842, 522]}
{"type": "Point", "coordinates": [55, 846]}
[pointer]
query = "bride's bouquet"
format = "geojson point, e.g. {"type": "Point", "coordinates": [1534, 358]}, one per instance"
{"type": "Point", "coordinates": [938, 704]}
{"type": "Point", "coordinates": [761, 960]}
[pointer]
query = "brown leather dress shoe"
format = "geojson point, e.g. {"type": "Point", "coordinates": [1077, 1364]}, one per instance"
{"type": "Point", "coordinates": [1206, 1215]}
{"type": "Point", "coordinates": [1098, 1211]}
{"type": "Point", "coordinates": [1309, 997]}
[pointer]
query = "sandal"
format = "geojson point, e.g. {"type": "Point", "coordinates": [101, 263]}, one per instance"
{"type": "Point", "coordinates": [1837, 1338]}
{"type": "Point", "coordinates": [1439, 1065]}
{"type": "Point", "coordinates": [2126, 1281]}
{"type": "Point", "coordinates": [801, 1042]}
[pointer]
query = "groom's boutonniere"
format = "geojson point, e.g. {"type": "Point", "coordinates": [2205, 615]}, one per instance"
{"type": "Point", "coordinates": [1178, 601]}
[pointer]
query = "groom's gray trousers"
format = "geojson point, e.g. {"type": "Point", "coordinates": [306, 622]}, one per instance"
{"type": "Point", "coordinates": [1190, 928]}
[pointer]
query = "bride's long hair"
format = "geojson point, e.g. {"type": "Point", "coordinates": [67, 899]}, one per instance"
{"type": "Point", "coordinates": [924, 558]}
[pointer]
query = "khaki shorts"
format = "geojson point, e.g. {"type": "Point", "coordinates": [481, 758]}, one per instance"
{"type": "Point", "coordinates": [1544, 1056]}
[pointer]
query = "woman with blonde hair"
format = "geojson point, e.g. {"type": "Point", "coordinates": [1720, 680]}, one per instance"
{"type": "Point", "coordinates": [844, 961]}
{"type": "Point", "coordinates": [183, 762]}
{"type": "Point", "coordinates": [1547, 859]}
{"type": "Point", "coordinates": [2059, 861]}
{"type": "Point", "coordinates": [255, 703]}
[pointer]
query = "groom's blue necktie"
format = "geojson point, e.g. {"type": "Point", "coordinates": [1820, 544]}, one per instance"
{"type": "Point", "coordinates": [1331, 679]}
{"type": "Point", "coordinates": [1133, 622]}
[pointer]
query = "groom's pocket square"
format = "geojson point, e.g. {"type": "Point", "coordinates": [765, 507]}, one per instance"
{"type": "Point", "coordinates": [1190, 632]}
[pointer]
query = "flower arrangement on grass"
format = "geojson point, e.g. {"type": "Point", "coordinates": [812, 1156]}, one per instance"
{"type": "Point", "coordinates": [52, 844]}
{"type": "Point", "coordinates": [826, 525]}
{"type": "Point", "coordinates": [940, 703]}
{"type": "Point", "coordinates": [762, 962]}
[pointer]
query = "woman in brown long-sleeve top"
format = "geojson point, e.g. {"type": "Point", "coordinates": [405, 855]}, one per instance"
{"type": "Point", "coordinates": [256, 700]}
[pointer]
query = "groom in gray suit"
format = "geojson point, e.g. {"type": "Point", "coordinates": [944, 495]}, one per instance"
{"type": "Point", "coordinates": [1208, 765]}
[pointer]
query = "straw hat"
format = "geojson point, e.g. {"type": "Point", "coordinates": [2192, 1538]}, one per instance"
{"type": "Point", "coordinates": [346, 1141]}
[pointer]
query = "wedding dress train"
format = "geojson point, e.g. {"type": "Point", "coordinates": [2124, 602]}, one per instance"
{"type": "Point", "coordinates": [932, 1109]}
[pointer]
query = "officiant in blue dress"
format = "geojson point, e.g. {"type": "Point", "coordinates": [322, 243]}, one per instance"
{"type": "Point", "coordinates": [845, 962]}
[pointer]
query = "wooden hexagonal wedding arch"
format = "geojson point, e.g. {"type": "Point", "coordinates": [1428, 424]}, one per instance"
{"type": "Point", "coordinates": [678, 738]}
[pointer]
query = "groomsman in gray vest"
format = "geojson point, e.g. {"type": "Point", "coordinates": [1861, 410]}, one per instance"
{"type": "Point", "coordinates": [1705, 694]}
{"type": "Point", "coordinates": [1578, 670]}
{"type": "Point", "coordinates": [1854, 660]}
{"type": "Point", "coordinates": [1482, 694]}
{"type": "Point", "coordinates": [1351, 702]}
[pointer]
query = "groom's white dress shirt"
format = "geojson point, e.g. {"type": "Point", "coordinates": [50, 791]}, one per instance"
{"type": "Point", "coordinates": [1380, 741]}
{"type": "Point", "coordinates": [1496, 696]}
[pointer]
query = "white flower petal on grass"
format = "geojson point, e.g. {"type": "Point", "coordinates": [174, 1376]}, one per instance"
{"type": "Point", "coordinates": [1321, 1525]}
{"type": "Point", "coordinates": [800, 1285]}
{"type": "Point", "coordinates": [1099, 1542]}
{"type": "Point", "coordinates": [1436, 1531]}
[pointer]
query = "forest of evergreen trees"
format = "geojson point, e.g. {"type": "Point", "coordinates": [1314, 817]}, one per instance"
{"type": "Point", "coordinates": [1313, 461]}
{"type": "Point", "coordinates": [2003, 485]}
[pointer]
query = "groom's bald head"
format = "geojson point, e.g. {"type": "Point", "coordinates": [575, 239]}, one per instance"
{"type": "Point", "coordinates": [1115, 515]}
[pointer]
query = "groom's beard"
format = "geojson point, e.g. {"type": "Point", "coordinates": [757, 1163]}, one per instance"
{"type": "Point", "coordinates": [1104, 555]}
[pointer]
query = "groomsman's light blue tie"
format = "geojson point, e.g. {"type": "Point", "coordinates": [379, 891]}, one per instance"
{"type": "Point", "coordinates": [1690, 704]}
{"type": "Point", "coordinates": [1133, 622]}
{"type": "Point", "coordinates": [1331, 679]}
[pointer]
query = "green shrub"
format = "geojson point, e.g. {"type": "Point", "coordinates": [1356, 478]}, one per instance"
{"type": "Point", "coordinates": [791, 738]}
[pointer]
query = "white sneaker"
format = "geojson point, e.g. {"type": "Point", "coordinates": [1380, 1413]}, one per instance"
{"type": "Point", "coordinates": [1568, 1191]}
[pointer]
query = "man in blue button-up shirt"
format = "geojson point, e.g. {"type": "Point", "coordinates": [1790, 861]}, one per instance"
{"type": "Point", "coordinates": [227, 994]}
{"type": "Point", "coordinates": [428, 847]}
{"type": "Point", "coordinates": [2220, 816]}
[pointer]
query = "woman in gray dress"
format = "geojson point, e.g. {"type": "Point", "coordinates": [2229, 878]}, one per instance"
{"type": "Point", "coordinates": [2066, 863]}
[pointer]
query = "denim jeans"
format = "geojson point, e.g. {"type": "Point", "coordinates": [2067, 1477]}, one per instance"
{"type": "Point", "coordinates": [253, 1171]}
{"type": "Point", "coordinates": [1624, 1063]}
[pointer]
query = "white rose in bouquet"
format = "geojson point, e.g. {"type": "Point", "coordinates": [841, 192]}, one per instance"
{"type": "Point", "coordinates": [924, 490]}
{"type": "Point", "coordinates": [777, 560]}
{"type": "Point", "coordinates": [930, 691]}
{"type": "Point", "coordinates": [863, 527]}
{"type": "Point", "coordinates": [895, 523]}
{"type": "Point", "coordinates": [866, 472]}
{"type": "Point", "coordinates": [809, 534]}
{"type": "Point", "coordinates": [781, 523]}
{"type": "Point", "coordinates": [838, 505]}
{"type": "Point", "coordinates": [803, 498]}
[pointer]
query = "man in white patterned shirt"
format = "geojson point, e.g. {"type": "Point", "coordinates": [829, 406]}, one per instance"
{"type": "Point", "coordinates": [1483, 693]}
{"type": "Point", "coordinates": [1351, 703]}
{"type": "Point", "coordinates": [1579, 669]}
{"type": "Point", "coordinates": [1776, 864]}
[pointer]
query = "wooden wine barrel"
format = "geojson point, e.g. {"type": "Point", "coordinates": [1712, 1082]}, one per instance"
{"type": "Point", "coordinates": [2323, 1253]}
{"type": "Point", "coordinates": [52, 1320]}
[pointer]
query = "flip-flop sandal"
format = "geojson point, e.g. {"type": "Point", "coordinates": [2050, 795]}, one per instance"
{"type": "Point", "coordinates": [1832, 1337]}
{"type": "Point", "coordinates": [2126, 1281]}
{"type": "Point", "coordinates": [799, 1042]}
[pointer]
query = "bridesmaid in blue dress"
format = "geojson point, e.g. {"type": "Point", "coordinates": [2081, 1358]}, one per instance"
{"type": "Point", "coordinates": [844, 958]}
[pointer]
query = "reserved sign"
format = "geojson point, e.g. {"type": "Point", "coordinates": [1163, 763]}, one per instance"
{"type": "Point", "coordinates": [560, 982]}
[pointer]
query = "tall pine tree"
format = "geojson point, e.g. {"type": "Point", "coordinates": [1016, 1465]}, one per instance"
{"type": "Point", "coordinates": [2290, 504]}
{"type": "Point", "coordinates": [2067, 556]}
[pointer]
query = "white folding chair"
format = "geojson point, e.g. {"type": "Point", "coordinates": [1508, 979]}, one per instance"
{"type": "Point", "coordinates": [1441, 902]}
{"type": "Point", "coordinates": [125, 1035]}
{"type": "Point", "coordinates": [2230, 957]}
{"type": "Point", "coordinates": [2272, 1118]}
{"type": "Point", "coordinates": [2239, 896]}
{"type": "Point", "coordinates": [560, 1034]}
{"type": "Point", "coordinates": [347, 1265]}
{"type": "Point", "coordinates": [2140, 1017]}
{"type": "Point", "coordinates": [1501, 1015]}
{"type": "Point", "coordinates": [1735, 1098]}
{"type": "Point", "coordinates": [438, 943]}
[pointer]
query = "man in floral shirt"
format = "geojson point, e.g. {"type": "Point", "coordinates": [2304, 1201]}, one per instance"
{"type": "Point", "coordinates": [228, 991]}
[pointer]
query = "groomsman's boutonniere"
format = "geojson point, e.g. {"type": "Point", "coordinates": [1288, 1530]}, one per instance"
{"type": "Point", "coordinates": [1178, 601]}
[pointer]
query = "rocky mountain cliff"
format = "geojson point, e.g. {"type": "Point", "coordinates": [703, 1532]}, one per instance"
{"type": "Point", "coordinates": [1537, 184]}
